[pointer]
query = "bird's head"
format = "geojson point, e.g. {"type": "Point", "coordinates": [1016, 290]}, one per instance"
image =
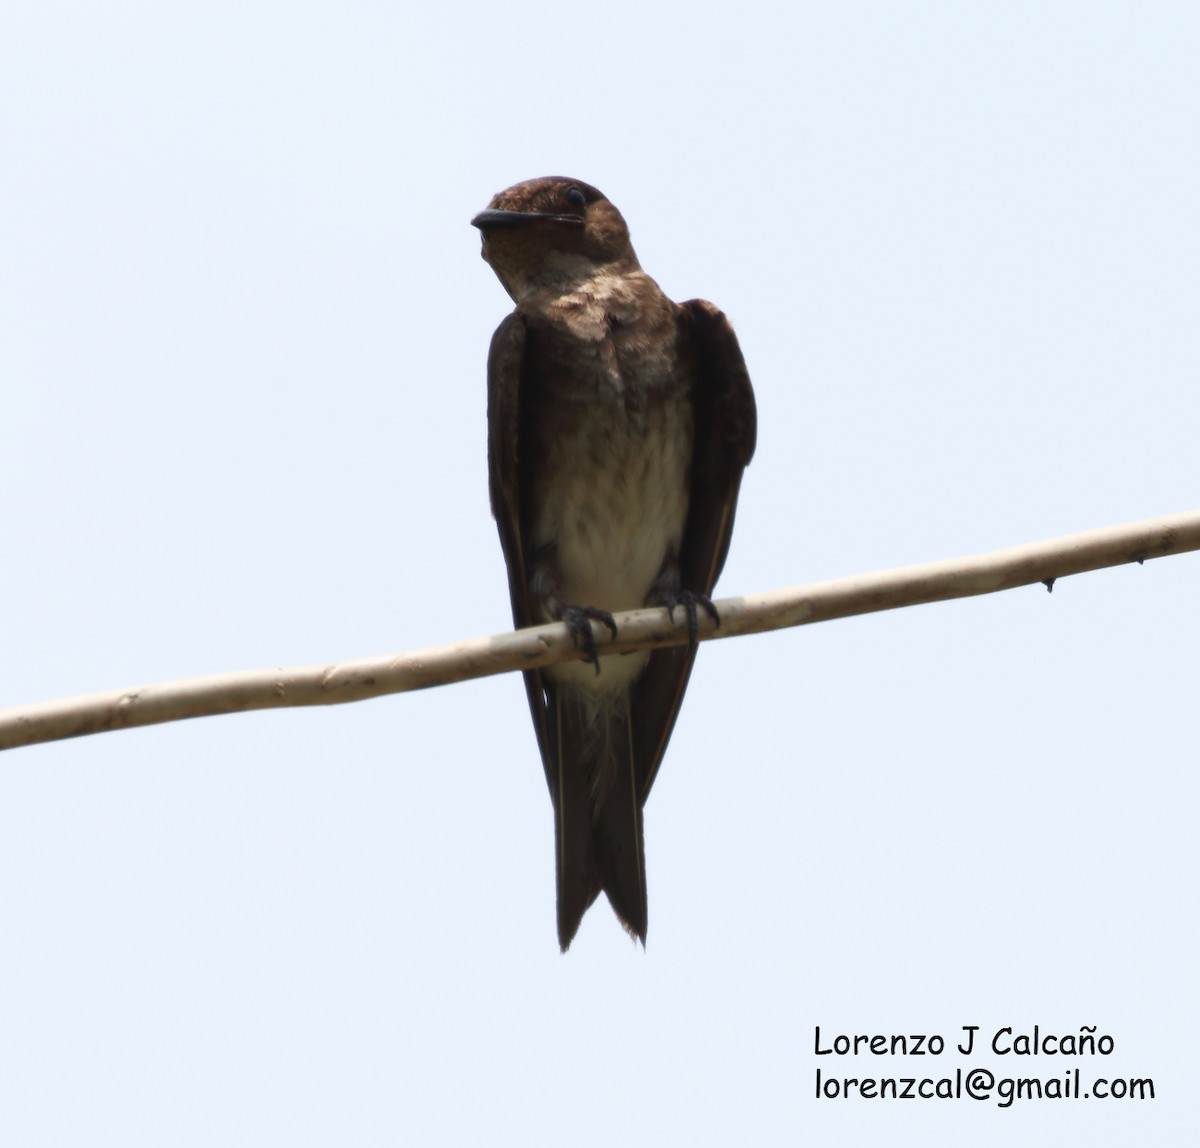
{"type": "Point", "coordinates": [552, 232]}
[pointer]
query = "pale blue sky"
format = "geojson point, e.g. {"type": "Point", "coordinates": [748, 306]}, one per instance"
{"type": "Point", "coordinates": [243, 325]}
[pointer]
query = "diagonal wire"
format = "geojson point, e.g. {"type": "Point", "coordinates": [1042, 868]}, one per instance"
{"type": "Point", "coordinates": [637, 629]}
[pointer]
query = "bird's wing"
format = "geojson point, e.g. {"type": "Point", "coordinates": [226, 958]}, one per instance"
{"type": "Point", "coordinates": [505, 360]}
{"type": "Point", "coordinates": [560, 731]}
{"type": "Point", "coordinates": [725, 429]}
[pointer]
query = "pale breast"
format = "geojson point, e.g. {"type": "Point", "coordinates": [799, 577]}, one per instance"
{"type": "Point", "coordinates": [614, 430]}
{"type": "Point", "coordinates": [613, 499]}
{"type": "Point", "coordinates": [613, 507]}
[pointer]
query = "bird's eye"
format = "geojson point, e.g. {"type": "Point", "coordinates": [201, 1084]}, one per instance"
{"type": "Point", "coordinates": [576, 199]}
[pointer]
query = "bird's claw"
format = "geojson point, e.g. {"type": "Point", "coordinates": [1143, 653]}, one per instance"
{"type": "Point", "coordinates": [578, 620]}
{"type": "Point", "coordinates": [690, 600]}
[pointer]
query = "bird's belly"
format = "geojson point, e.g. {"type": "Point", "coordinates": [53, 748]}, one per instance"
{"type": "Point", "coordinates": [614, 499]}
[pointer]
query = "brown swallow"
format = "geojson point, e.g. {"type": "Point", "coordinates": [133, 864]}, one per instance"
{"type": "Point", "coordinates": [619, 424]}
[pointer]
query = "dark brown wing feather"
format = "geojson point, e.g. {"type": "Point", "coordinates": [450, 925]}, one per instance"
{"type": "Point", "coordinates": [725, 430]}
{"type": "Point", "coordinates": [505, 358]}
{"type": "Point", "coordinates": [557, 728]}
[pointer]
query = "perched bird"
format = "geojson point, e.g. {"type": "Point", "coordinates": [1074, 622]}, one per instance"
{"type": "Point", "coordinates": [619, 424]}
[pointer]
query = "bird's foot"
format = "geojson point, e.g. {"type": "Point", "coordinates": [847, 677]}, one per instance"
{"type": "Point", "coordinates": [691, 601]}
{"type": "Point", "coordinates": [578, 621]}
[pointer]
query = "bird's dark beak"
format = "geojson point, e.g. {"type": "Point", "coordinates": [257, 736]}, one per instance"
{"type": "Point", "coordinates": [494, 218]}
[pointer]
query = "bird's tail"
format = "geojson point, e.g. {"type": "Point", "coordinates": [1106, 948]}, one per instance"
{"type": "Point", "coordinates": [598, 811]}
